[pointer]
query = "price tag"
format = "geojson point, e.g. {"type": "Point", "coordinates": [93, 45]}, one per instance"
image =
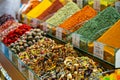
{"type": "Point", "coordinates": [25, 20]}
{"type": "Point", "coordinates": [117, 59]}
{"type": "Point", "coordinates": [98, 50]}
{"type": "Point", "coordinates": [10, 55]}
{"type": "Point", "coordinates": [96, 5]}
{"type": "Point", "coordinates": [76, 40]}
{"type": "Point", "coordinates": [31, 75]}
{"type": "Point", "coordinates": [20, 65]}
{"type": "Point", "coordinates": [34, 22]}
{"type": "Point", "coordinates": [59, 33]}
{"type": "Point", "coordinates": [45, 26]}
{"type": "Point", "coordinates": [117, 6]}
{"type": "Point", "coordinates": [80, 3]}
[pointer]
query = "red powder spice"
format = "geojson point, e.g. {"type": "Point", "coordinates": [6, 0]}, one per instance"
{"type": "Point", "coordinates": [78, 18]}
{"type": "Point", "coordinates": [15, 34]}
{"type": "Point", "coordinates": [49, 11]}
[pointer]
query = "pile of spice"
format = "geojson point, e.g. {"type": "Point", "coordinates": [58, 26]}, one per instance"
{"type": "Point", "coordinates": [62, 14]}
{"type": "Point", "coordinates": [15, 34]}
{"type": "Point", "coordinates": [31, 4]}
{"type": "Point", "coordinates": [39, 9]}
{"type": "Point", "coordinates": [111, 37]}
{"type": "Point", "coordinates": [78, 18]}
{"type": "Point", "coordinates": [56, 5]}
{"type": "Point", "coordinates": [95, 27]}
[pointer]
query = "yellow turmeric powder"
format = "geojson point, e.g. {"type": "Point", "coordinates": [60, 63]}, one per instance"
{"type": "Point", "coordinates": [112, 36]}
{"type": "Point", "coordinates": [39, 9]}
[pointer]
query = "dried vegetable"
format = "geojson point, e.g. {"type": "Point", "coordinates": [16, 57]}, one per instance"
{"type": "Point", "coordinates": [28, 39]}
{"type": "Point", "coordinates": [5, 18]}
{"type": "Point", "coordinates": [95, 27]}
{"type": "Point", "coordinates": [9, 29]}
{"type": "Point", "coordinates": [44, 55]}
{"type": "Point", "coordinates": [39, 9]}
{"type": "Point", "coordinates": [12, 36]}
{"type": "Point", "coordinates": [31, 4]}
{"type": "Point", "coordinates": [6, 25]}
{"type": "Point", "coordinates": [62, 14]}
{"type": "Point", "coordinates": [78, 19]}
{"type": "Point", "coordinates": [56, 5]}
{"type": "Point", "coordinates": [56, 61]}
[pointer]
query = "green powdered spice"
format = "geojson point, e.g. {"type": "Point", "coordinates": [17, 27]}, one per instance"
{"type": "Point", "coordinates": [95, 27]}
{"type": "Point", "coordinates": [62, 14]}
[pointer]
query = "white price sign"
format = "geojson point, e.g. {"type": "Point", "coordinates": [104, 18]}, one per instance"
{"type": "Point", "coordinates": [117, 6]}
{"type": "Point", "coordinates": [31, 75]}
{"type": "Point", "coordinates": [25, 20]}
{"type": "Point", "coordinates": [10, 55]}
{"type": "Point", "coordinates": [20, 65]}
{"type": "Point", "coordinates": [45, 26]}
{"type": "Point", "coordinates": [76, 40]}
{"type": "Point", "coordinates": [59, 33]}
{"type": "Point", "coordinates": [117, 59]}
{"type": "Point", "coordinates": [96, 5]}
{"type": "Point", "coordinates": [98, 50]}
{"type": "Point", "coordinates": [34, 22]}
{"type": "Point", "coordinates": [80, 3]}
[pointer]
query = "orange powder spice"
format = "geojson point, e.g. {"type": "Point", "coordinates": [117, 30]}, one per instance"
{"type": "Point", "coordinates": [112, 36]}
{"type": "Point", "coordinates": [79, 18]}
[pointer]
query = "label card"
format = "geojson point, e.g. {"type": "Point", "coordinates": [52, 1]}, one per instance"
{"type": "Point", "coordinates": [10, 55]}
{"type": "Point", "coordinates": [117, 59]}
{"type": "Point", "coordinates": [76, 40]}
{"type": "Point", "coordinates": [59, 33]}
{"type": "Point", "coordinates": [117, 6]}
{"type": "Point", "coordinates": [31, 75]}
{"type": "Point", "coordinates": [45, 25]}
{"type": "Point", "coordinates": [20, 65]}
{"type": "Point", "coordinates": [98, 50]}
{"type": "Point", "coordinates": [25, 20]}
{"type": "Point", "coordinates": [34, 22]}
{"type": "Point", "coordinates": [80, 3]}
{"type": "Point", "coordinates": [96, 5]}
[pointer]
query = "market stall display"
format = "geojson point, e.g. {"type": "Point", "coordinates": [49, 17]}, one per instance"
{"type": "Point", "coordinates": [38, 55]}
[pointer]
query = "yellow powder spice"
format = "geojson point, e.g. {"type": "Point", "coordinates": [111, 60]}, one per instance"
{"type": "Point", "coordinates": [112, 36]}
{"type": "Point", "coordinates": [39, 9]}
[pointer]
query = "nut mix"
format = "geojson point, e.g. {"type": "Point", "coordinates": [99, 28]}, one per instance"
{"type": "Point", "coordinates": [28, 39]}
